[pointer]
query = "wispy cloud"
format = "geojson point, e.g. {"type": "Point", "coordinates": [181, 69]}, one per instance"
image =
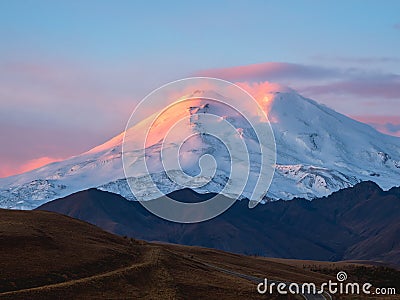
{"type": "Point", "coordinates": [52, 110]}
{"type": "Point", "coordinates": [349, 90]}
{"type": "Point", "coordinates": [11, 168]}
{"type": "Point", "coordinates": [386, 124]}
{"type": "Point", "coordinates": [369, 88]}
{"type": "Point", "coordinates": [55, 110]}
{"type": "Point", "coordinates": [356, 60]}
{"type": "Point", "coordinates": [270, 71]}
{"type": "Point", "coordinates": [320, 80]}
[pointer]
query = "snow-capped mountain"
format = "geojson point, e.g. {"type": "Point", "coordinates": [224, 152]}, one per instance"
{"type": "Point", "coordinates": [318, 151]}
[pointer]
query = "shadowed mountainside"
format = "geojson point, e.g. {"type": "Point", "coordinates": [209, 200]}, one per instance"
{"type": "Point", "coordinates": [358, 223]}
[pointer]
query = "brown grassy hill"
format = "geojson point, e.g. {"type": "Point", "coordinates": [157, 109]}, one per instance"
{"type": "Point", "coordinates": [358, 223]}
{"type": "Point", "coordinates": [45, 255]}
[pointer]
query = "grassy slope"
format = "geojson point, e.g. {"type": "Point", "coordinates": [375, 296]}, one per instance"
{"type": "Point", "coordinates": [49, 256]}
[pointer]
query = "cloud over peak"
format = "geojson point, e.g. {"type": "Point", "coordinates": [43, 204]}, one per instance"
{"type": "Point", "coordinates": [269, 71]}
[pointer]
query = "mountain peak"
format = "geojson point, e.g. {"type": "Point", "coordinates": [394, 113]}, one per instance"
{"type": "Point", "coordinates": [205, 94]}
{"type": "Point", "coordinates": [318, 151]}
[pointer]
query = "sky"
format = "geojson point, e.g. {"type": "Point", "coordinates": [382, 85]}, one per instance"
{"type": "Point", "coordinates": [71, 72]}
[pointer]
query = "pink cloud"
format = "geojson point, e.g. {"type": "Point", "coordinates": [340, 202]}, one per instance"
{"type": "Point", "coordinates": [262, 92]}
{"type": "Point", "coordinates": [269, 71]}
{"type": "Point", "coordinates": [13, 169]}
{"type": "Point", "coordinates": [385, 124]}
{"type": "Point", "coordinates": [377, 119]}
{"type": "Point", "coordinates": [350, 91]}
{"type": "Point", "coordinates": [315, 80]}
{"type": "Point", "coordinates": [37, 163]}
{"type": "Point", "coordinates": [52, 109]}
{"type": "Point", "coordinates": [58, 109]}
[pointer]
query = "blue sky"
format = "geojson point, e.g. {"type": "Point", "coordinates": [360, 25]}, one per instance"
{"type": "Point", "coordinates": [198, 34]}
{"type": "Point", "coordinates": [73, 70]}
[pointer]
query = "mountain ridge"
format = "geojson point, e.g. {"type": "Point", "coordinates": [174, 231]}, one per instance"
{"type": "Point", "coordinates": [357, 223]}
{"type": "Point", "coordinates": [319, 151]}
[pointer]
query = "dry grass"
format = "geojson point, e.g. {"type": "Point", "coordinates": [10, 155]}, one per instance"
{"type": "Point", "coordinates": [49, 256]}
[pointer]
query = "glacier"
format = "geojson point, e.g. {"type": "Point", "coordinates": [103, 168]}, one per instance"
{"type": "Point", "coordinates": [319, 151]}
